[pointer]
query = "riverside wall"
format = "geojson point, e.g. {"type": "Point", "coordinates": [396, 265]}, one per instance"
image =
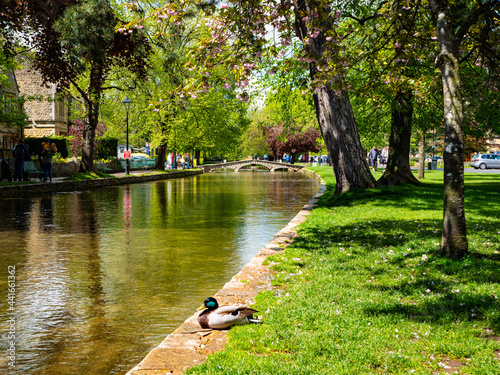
{"type": "Point", "coordinates": [59, 186]}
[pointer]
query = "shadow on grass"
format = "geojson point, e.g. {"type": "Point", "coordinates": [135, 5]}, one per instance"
{"type": "Point", "coordinates": [447, 309]}
{"type": "Point", "coordinates": [463, 294]}
{"type": "Point", "coordinates": [444, 290]}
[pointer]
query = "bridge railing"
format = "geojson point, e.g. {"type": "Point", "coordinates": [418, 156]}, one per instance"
{"type": "Point", "coordinates": [241, 163]}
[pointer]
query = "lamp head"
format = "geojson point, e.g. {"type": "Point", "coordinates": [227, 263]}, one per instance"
{"type": "Point", "coordinates": [126, 103]}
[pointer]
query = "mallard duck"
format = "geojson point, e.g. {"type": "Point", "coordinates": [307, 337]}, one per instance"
{"type": "Point", "coordinates": [225, 316]}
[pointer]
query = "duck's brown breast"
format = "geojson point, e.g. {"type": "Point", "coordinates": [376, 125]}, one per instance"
{"type": "Point", "coordinates": [203, 319]}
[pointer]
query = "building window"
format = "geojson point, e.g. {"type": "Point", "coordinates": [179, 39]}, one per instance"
{"type": "Point", "coordinates": [11, 104]}
{"type": "Point", "coordinates": [62, 110]}
{"type": "Point", "coordinates": [7, 103]}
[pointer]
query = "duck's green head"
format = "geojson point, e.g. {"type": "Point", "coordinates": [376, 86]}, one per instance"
{"type": "Point", "coordinates": [211, 303]}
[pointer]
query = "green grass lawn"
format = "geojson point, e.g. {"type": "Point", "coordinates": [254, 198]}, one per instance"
{"type": "Point", "coordinates": [6, 183]}
{"type": "Point", "coordinates": [360, 291]}
{"type": "Point", "coordinates": [81, 176]}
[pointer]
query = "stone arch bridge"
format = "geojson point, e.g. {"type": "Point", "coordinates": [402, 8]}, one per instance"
{"type": "Point", "coordinates": [236, 165]}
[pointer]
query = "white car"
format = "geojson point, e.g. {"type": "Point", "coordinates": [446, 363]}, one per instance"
{"type": "Point", "coordinates": [484, 161]}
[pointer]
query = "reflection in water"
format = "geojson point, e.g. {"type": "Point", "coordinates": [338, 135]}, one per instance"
{"type": "Point", "coordinates": [104, 276]}
{"type": "Point", "coordinates": [127, 213]}
{"type": "Point", "coordinates": [46, 216]}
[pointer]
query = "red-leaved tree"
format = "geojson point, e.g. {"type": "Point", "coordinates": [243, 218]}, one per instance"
{"type": "Point", "coordinates": [77, 132]}
{"type": "Point", "coordinates": [292, 140]}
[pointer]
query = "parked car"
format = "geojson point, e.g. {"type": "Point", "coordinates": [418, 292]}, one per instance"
{"type": "Point", "coordinates": [139, 156]}
{"type": "Point", "coordinates": [484, 161]}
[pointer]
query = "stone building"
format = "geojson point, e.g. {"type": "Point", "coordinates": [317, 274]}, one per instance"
{"type": "Point", "coordinates": [9, 93]}
{"type": "Point", "coordinates": [47, 115]}
{"type": "Point", "coordinates": [493, 143]}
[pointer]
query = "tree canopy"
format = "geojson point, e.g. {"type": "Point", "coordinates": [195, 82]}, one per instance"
{"type": "Point", "coordinates": [377, 68]}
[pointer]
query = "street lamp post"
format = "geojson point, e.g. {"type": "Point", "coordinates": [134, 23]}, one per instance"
{"type": "Point", "coordinates": [126, 105]}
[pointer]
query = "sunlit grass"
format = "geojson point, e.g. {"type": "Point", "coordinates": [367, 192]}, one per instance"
{"type": "Point", "coordinates": [360, 291]}
{"type": "Point", "coordinates": [13, 183]}
{"type": "Point", "coordinates": [87, 176]}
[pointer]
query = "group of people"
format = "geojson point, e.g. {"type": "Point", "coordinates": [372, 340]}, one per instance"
{"type": "Point", "coordinates": [179, 161]}
{"type": "Point", "coordinates": [45, 155]}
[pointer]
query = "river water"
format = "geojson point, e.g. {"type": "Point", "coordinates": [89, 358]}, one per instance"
{"type": "Point", "coordinates": [103, 276]}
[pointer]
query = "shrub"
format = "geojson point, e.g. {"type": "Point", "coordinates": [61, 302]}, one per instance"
{"type": "Point", "coordinates": [106, 147]}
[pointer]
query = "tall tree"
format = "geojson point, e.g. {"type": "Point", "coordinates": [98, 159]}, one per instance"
{"type": "Point", "coordinates": [213, 123]}
{"type": "Point", "coordinates": [315, 26]}
{"type": "Point", "coordinates": [241, 25]}
{"type": "Point", "coordinates": [75, 43]}
{"type": "Point", "coordinates": [456, 22]}
{"type": "Point", "coordinates": [391, 68]}
{"type": "Point", "coordinates": [12, 114]}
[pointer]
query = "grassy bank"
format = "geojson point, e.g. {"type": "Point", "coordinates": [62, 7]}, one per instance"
{"type": "Point", "coordinates": [82, 176]}
{"type": "Point", "coordinates": [359, 291]}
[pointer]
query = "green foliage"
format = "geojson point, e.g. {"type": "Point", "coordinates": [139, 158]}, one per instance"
{"type": "Point", "coordinates": [359, 291]}
{"type": "Point", "coordinates": [7, 63]}
{"type": "Point", "coordinates": [289, 106]}
{"type": "Point", "coordinates": [86, 34]}
{"type": "Point", "coordinates": [106, 147]}
{"type": "Point", "coordinates": [390, 53]}
{"type": "Point", "coordinates": [11, 108]}
{"type": "Point", "coordinates": [285, 108]}
{"type": "Point", "coordinates": [213, 123]}
{"type": "Point", "coordinates": [11, 111]}
{"type": "Point", "coordinates": [254, 140]}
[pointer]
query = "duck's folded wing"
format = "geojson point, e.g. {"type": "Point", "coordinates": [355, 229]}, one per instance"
{"type": "Point", "coordinates": [235, 310]}
{"type": "Point", "coordinates": [244, 312]}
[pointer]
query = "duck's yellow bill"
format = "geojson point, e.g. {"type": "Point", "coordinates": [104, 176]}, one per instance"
{"type": "Point", "coordinates": [202, 307]}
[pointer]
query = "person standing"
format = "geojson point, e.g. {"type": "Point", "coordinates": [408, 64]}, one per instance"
{"type": "Point", "coordinates": [47, 158]}
{"type": "Point", "coordinates": [20, 153]}
{"type": "Point", "coordinates": [372, 158]}
{"type": "Point", "coordinates": [5, 168]}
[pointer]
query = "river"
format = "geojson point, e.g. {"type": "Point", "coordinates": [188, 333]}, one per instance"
{"type": "Point", "coordinates": [103, 276]}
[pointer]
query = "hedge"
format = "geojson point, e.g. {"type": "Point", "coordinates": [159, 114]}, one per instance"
{"type": "Point", "coordinates": [107, 147]}
{"type": "Point", "coordinates": [34, 144]}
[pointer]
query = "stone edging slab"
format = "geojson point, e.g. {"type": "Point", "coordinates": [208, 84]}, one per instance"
{"type": "Point", "coordinates": [21, 191]}
{"type": "Point", "coordinates": [189, 344]}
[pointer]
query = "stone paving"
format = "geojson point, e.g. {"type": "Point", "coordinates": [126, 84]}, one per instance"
{"type": "Point", "coordinates": [190, 344]}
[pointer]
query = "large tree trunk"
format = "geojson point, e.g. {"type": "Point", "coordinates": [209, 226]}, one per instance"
{"type": "Point", "coordinates": [333, 107]}
{"type": "Point", "coordinates": [454, 238]}
{"type": "Point", "coordinates": [92, 102]}
{"type": "Point", "coordinates": [421, 155]}
{"type": "Point", "coordinates": [398, 165]}
{"type": "Point", "coordinates": [89, 129]}
{"type": "Point", "coordinates": [161, 156]}
{"type": "Point", "coordinates": [197, 155]}
{"type": "Point", "coordinates": [336, 121]}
